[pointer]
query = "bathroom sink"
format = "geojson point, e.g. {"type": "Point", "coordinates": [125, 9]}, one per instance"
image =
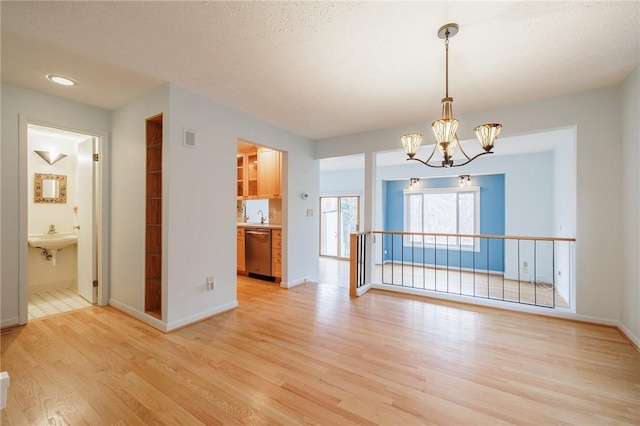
{"type": "Point", "coordinates": [56, 241]}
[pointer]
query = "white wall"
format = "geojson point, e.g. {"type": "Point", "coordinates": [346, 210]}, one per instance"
{"type": "Point", "coordinates": [199, 225]}
{"type": "Point", "coordinates": [299, 175]}
{"type": "Point", "coordinates": [42, 109]}
{"type": "Point", "coordinates": [128, 207]}
{"type": "Point", "coordinates": [630, 154]}
{"type": "Point", "coordinates": [41, 215]}
{"type": "Point", "coordinates": [529, 207]}
{"type": "Point", "coordinates": [529, 203]}
{"type": "Point", "coordinates": [564, 201]}
{"type": "Point", "coordinates": [42, 274]}
{"type": "Point", "coordinates": [342, 182]}
{"type": "Point", "coordinates": [596, 117]}
{"type": "Point", "coordinates": [200, 229]}
{"type": "Point", "coordinates": [202, 225]}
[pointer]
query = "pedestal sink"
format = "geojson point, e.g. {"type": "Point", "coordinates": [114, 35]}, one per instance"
{"type": "Point", "coordinates": [51, 243]}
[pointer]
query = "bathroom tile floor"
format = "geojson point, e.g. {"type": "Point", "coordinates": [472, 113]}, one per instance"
{"type": "Point", "coordinates": [55, 302]}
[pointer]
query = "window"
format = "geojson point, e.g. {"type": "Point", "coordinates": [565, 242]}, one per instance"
{"type": "Point", "coordinates": [442, 211]}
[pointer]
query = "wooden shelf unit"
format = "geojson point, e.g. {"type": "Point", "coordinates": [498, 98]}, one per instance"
{"type": "Point", "coordinates": [153, 232]}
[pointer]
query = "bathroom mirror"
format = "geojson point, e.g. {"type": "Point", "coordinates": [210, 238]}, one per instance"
{"type": "Point", "coordinates": [49, 188]}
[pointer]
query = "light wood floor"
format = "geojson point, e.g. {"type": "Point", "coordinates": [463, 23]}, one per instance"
{"type": "Point", "coordinates": [313, 355]}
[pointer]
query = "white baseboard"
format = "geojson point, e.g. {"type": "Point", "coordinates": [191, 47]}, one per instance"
{"type": "Point", "coordinates": [167, 327]}
{"type": "Point", "coordinates": [4, 389]}
{"type": "Point", "coordinates": [491, 303]}
{"type": "Point", "coordinates": [9, 322]}
{"type": "Point", "coordinates": [152, 321]}
{"type": "Point", "coordinates": [291, 284]}
{"type": "Point", "coordinates": [629, 335]}
{"type": "Point", "coordinates": [538, 310]}
{"type": "Point", "coordinates": [362, 290]}
{"type": "Point", "coordinates": [201, 315]}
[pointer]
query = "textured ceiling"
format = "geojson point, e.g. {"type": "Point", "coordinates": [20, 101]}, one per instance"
{"type": "Point", "coordinates": [321, 69]}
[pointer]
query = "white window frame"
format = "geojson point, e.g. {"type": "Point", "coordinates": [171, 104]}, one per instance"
{"type": "Point", "coordinates": [407, 240]}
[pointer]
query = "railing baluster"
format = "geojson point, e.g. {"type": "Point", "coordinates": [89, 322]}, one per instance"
{"type": "Point", "coordinates": [519, 283]}
{"type": "Point", "coordinates": [360, 262]}
{"type": "Point", "coordinates": [383, 257]}
{"type": "Point", "coordinates": [473, 260]}
{"type": "Point", "coordinates": [535, 274]}
{"type": "Point", "coordinates": [401, 261]}
{"type": "Point", "coordinates": [553, 274]}
{"type": "Point", "coordinates": [393, 258]}
{"type": "Point", "coordinates": [422, 271]}
{"type": "Point", "coordinates": [460, 265]}
{"type": "Point", "coordinates": [447, 264]}
{"type": "Point", "coordinates": [412, 263]}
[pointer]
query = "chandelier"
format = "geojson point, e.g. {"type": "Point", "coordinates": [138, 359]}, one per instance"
{"type": "Point", "coordinates": [445, 128]}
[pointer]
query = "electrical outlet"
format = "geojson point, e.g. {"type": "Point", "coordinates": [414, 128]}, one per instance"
{"type": "Point", "coordinates": [211, 283]}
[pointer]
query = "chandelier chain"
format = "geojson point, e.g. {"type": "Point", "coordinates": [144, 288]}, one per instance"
{"type": "Point", "coordinates": [446, 79]}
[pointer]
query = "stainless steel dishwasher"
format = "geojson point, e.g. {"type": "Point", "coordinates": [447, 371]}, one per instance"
{"type": "Point", "coordinates": [258, 251]}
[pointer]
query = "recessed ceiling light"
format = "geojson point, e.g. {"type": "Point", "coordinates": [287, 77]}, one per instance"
{"type": "Point", "coordinates": [65, 81]}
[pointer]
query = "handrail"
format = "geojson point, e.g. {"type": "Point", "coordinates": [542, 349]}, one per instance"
{"type": "Point", "coordinates": [497, 237]}
{"type": "Point", "coordinates": [528, 270]}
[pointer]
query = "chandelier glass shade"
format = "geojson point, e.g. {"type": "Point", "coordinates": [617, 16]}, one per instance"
{"type": "Point", "coordinates": [445, 129]}
{"type": "Point", "coordinates": [411, 142]}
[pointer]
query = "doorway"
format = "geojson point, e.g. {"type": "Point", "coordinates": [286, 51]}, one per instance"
{"type": "Point", "coordinates": [63, 200]}
{"type": "Point", "coordinates": [339, 218]}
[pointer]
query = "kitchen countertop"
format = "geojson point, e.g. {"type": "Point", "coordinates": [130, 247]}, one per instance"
{"type": "Point", "coordinates": [258, 225]}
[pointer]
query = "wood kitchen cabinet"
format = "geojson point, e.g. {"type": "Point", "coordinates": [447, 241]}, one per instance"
{"type": "Point", "coordinates": [276, 254]}
{"type": "Point", "coordinates": [269, 173]}
{"type": "Point", "coordinates": [247, 175]}
{"type": "Point", "coordinates": [242, 268]}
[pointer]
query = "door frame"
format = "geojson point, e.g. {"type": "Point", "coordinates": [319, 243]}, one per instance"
{"type": "Point", "coordinates": [338, 196]}
{"type": "Point", "coordinates": [104, 204]}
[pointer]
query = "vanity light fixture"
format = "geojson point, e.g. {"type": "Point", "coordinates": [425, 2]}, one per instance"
{"type": "Point", "coordinates": [464, 180]}
{"type": "Point", "coordinates": [60, 79]}
{"type": "Point", "coordinates": [445, 128]}
{"type": "Point", "coordinates": [50, 156]}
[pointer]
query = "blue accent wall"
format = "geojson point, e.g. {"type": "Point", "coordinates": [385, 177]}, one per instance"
{"type": "Point", "coordinates": [492, 217]}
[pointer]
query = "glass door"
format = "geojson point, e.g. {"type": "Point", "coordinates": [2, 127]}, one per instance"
{"type": "Point", "coordinates": [339, 218]}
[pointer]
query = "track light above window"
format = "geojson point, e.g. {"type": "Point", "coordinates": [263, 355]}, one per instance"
{"type": "Point", "coordinates": [464, 180]}
{"type": "Point", "coordinates": [445, 129]}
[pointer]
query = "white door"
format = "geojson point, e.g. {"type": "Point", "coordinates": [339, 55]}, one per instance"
{"type": "Point", "coordinates": [86, 221]}
{"type": "Point", "coordinates": [329, 226]}
{"type": "Point", "coordinates": [338, 220]}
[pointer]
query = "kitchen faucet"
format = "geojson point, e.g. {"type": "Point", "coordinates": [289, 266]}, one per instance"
{"type": "Point", "coordinates": [262, 218]}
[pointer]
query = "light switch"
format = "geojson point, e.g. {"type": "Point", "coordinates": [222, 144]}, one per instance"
{"type": "Point", "coordinates": [309, 212]}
